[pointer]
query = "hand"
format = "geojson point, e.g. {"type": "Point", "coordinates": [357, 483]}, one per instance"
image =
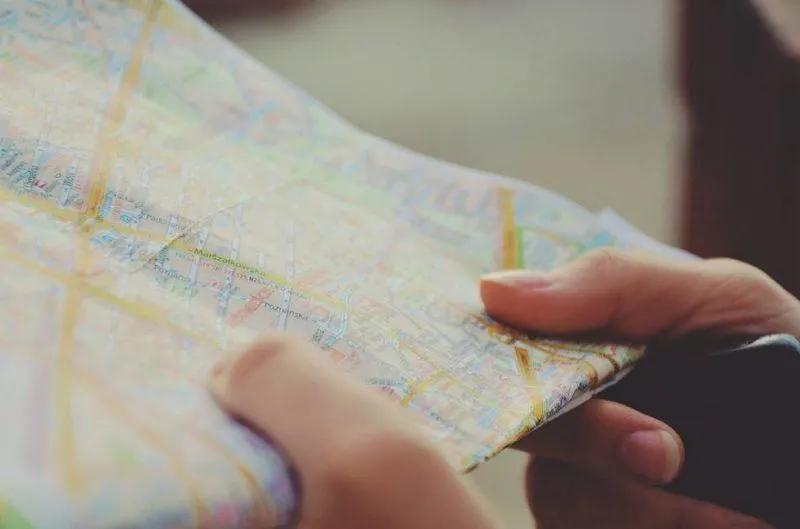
{"type": "Point", "coordinates": [575, 480]}
{"type": "Point", "coordinates": [362, 463]}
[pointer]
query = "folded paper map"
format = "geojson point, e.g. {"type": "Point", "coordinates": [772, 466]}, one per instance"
{"type": "Point", "coordinates": [165, 198]}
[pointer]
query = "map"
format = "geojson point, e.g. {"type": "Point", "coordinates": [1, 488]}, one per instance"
{"type": "Point", "coordinates": [165, 198]}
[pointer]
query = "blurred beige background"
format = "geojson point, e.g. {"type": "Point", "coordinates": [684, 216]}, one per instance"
{"type": "Point", "coordinates": [573, 95]}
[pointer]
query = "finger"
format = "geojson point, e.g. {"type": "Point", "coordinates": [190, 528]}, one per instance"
{"type": "Point", "coordinates": [610, 439]}
{"type": "Point", "coordinates": [361, 461]}
{"type": "Point", "coordinates": [639, 297]}
{"type": "Point", "coordinates": [563, 497]}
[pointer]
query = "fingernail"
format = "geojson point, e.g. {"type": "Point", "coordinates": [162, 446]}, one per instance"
{"type": "Point", "coordinates": [530, 279]}
{"type": "Point", "coordinates": [654, 455]}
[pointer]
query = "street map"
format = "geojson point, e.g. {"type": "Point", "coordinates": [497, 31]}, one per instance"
{"type": "Point", "coordinates": [165, 198]}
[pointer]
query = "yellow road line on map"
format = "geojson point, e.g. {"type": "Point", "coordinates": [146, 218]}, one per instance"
{"type": "Point", "coordinates": [517, 337]}
{"type": "Point", "coordinates": [151, 314]}
{"type": "Point", "coordinates": [99, 186]}
{"type": "Point", "coordinates": [526, 372]}
{"type": "Point", "coordinates": [509, 228]}
{"type": "Point", "coordinates": [264, 511]}
{"type": "Point", "coordinates": [143, 311]}
{"type": "Point", "coordinates": [553, 354]}
{"type": "Point", "coordinates": [224, 262]}
{"type": "Point", "coordinates": [591, 371]}
{"type": "Point", "coordinates": [71, 306]}
{"type": "Point", "coordinates": [524, 364]}
{"type": "Point", "coordinates": [39, 204]}
{"type": "Point", "coordinates": [177, 243]}
{"type": "Point", "coordinates": [421, 386]}
{"type": "Point", "coordinates": [65, 448]}
{"type": "Point", "coordinates": [171, 453]}
{"type": "Point", "coordinates": [261, 506]}
{"type": "Point", "coordinates": [446, 374]}
{"type": "Point", "coordinates": [594, 351]}
{"type": "Point", "coordinates": [116, 114]}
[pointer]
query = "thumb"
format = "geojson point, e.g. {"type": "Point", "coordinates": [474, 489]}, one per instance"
{"type": "Point", "coordinates": [639, 297]}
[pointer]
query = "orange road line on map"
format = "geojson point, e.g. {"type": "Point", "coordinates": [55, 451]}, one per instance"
{"type": "Point", "coordinates": [74, 296]}
{"type": "Point", "coordinates": [39, 204]}
{"type": "Point", "coordinates": [264, 511]}
{"type": "Point", "coordinates": [447, 374]}
{"type": "Point", "coordinates": [526, 372]}
{"type": "Point", "coordinates": [420, 386]}
{"type": "Point", "coordinates": [593, 350]}
{"type": "Point", "coordinates": [553, 354]}
{"type": "Point", "coordinates": [32, 201]}
{"type": "Point", "coordinates": [152, 314]}
{"type": "Point", "coordinates": [591, 371]}
{"type": "Point", "coordinates": [171, 453]}
{"type": "Point", "coordinates": [178, 243]}
{"type": "Point", "coordinates": [509, 229]}
{"type": "Point", "coordinates": [149, 313]}
{"type": "Point", "coordinates": [66, 448]}
{"type": "Point", "coordinates": [593, 374]}
{"type": "Point", "coordinates": [494, 329]}
{"type": "Point", "coordinates": [141, 310]}
{"type": "Point", "coordinates": [116, 113]}
{"type": "Point", "coordinates": [99, 185]}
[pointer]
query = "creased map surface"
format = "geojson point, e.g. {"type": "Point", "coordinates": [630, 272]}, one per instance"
{"type": "Point", "coordinates": [164, 198]}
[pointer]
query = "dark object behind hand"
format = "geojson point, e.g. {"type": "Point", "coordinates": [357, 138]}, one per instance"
{"type": "Point", "coordinates": [737, 410]}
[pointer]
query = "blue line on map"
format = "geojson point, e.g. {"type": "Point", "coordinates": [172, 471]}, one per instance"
{"type": "Point", "coordinates": [105, 209]}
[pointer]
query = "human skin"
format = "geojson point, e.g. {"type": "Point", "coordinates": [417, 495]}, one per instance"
{"type": "Point", "coordinates": [364, 464]}
{"type": "Point", "coordinates": [595, 467]}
